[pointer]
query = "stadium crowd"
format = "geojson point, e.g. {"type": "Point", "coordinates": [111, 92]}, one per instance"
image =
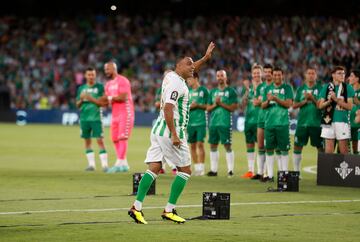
{"type": "Point", "coordinates": [42, 60]}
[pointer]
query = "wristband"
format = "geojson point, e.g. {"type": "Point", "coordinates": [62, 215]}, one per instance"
{"type": "Point", "coordinates": [109, 98]}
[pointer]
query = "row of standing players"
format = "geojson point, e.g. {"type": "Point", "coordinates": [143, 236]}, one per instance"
{"type": "Point", "coordinates": [266, 102]}
{"type": "Point", "coordinates": [266, 106]}
{"type": "Point", "coordinates": [266, 119]}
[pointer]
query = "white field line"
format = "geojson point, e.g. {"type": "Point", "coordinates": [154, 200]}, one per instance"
{"type": "Point", "coordinates": [180, 206]}
{"type": "Point", "coordinates": [310, 169]}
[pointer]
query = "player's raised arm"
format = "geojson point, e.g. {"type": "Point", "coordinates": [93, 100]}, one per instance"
{"type": "Point", "coordinates": [205, 58]}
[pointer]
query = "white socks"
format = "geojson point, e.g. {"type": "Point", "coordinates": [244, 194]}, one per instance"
{"type": "Point", "coordinates": [270, 165]}
{"type": "Point", "coordinates": [279, 162]}
{"type": "Point", "coordinates": [251, 161]}
{"type": "Point", "coordinates": [121, 163]}
{"type": "Point", "coordinates": [91, 158]}
{"type": "Point", "coordinates": [260, 160]}
{"type": "Point", "coordinates": [214, 160]}
{"type": "Point", "coordinates": [297, 161]}
{"type": "Point", "coordinates": [285, 162]}
{"type": "Point", "coordinates": [138, 205]}
{"type": "Point", "coordinates": [169, 207]}
{"type": "Point", "coordinates": [104, 160]}
{"type": "Point", "coordinates": [230, 161]}
{"type": "Point", "coordinates": [199, 168]}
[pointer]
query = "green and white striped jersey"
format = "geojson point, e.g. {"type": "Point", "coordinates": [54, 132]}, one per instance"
{"type": "Point", "coordinates": [175, 91]}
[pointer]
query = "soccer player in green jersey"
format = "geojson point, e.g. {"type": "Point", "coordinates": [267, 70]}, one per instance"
{"type": "Point", "coordinates": [251, 118]}
{"type": "Point", "coordinates": [260, 160]}
{"type": "Point", "coordinates": [197, 123]}
{"type": "Point", "coordinates": [89, 100]}
{"type": "Point", "coordinates": [354, 80]}
{"type": "Point", "coordinates": [277, 99]}
{"type": "Point", "coordinates": [222, 102]}
{"type": "Point", "coordinates": [309, 117]}
{"type": "Point", "coordinates": [168, 138]}
{"type": "Point", "coordinates": [341, 97]}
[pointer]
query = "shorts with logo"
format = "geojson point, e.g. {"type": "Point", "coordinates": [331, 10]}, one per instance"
{"type": "Point", "coordinates": [277, 137]}
{"type": "Point", "coordinates": [91, 129]}
{"type": "Point", "coordinates": [196, 133]}
{"type": "Point", "coordinates": [250, 132]}
{"type": "Point", "coordinates": [220, 134]}
{"type": "Point", "coordinates": [162, 149]}
{"type": "Point", "coordinates": [337, 130]}
{"type": "Point", "coordinates": [302, 135]}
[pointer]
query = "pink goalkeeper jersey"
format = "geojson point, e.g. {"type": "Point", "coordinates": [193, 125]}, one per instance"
{"type": "Point", "coordinates": [120, 110]}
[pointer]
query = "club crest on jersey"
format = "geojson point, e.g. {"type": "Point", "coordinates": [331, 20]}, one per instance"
{"type": "Point", "coordinates": [174, 95]}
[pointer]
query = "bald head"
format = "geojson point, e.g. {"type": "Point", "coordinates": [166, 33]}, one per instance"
{"type": "Point", "coordinates": [221, 77]}
{"type": "Point", "coordinates": [110, 69]}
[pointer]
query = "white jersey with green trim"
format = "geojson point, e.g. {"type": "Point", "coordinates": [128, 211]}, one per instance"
{"type": "Point", "coordinates": [175, 91]}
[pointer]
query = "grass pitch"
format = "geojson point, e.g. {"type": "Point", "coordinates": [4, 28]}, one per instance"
{"type": "Point", "coordinates": [45, 195]}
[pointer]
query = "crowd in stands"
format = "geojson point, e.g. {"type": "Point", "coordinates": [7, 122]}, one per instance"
{"type": "Point", "coordinates": [42, 60]}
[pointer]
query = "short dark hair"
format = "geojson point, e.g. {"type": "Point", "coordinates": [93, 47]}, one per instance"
{"type": "Point", "coordinates": [337, 68]}
{"type": "Point", "coordinates": [356, 73]}
{"type": "Point", "coordinates": [268, 66]}
{"type": "Point", "coordinates": [90, 68]}
{"type": "Point", "coordinates": [196, 75]}
{"type": "Point", "coordinates": [311, 68]}
{"type": "Point", "coordinates": [277, 68]}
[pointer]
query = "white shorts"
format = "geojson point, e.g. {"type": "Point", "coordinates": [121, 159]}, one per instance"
{"type": "Point", "coordinates": [162, 149]}
{"type": "Point", "coordinates": [337, 130]}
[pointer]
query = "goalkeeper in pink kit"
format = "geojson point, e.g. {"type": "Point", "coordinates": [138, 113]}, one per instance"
{"type": "Point", "coordinates": [118, 92]}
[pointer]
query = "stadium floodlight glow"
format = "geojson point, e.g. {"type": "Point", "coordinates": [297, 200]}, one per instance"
{"type": "Point", "coordinates": [113, 7]}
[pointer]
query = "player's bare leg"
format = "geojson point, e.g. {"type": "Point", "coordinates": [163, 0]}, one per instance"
{"type": "Point", "coordinates": [194, 157]}
{"type": "Point", "coordinates": [201, 157]}
{"type": "Point", "coordinates": [343, 146]}
{"type": "Point", "coordinates": [329, 146]}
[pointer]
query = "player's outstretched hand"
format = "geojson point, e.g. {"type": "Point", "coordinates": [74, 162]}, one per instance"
{"type": "Point", "coordinates": [210, 49]}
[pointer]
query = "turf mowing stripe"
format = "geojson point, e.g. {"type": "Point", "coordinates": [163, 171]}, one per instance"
{"type": "Point", "coordinates": [310, 169]}
{"type": "Point", "coordinates": [179, 206]}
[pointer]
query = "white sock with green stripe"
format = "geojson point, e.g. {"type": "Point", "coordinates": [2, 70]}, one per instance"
{"type": "Point", "coordinates": [90, 155]}
{"type": "Point", "coordinates": [214, 160]}
{"type": "Point", "coordinates": [251, 159]}
{"type": "Point", "coordinates": [103, 158]}
{"type": "Point", "coordinates": [260, 160]}
{"type": "Point", "coordinates": [278, 159]}
{"type": "Point", "coordinates": [297, 160]}
{"type": "Point", "coordinates": [270, 158]}
{"type": "Point", "coordinates": [230, 160]}
{"type": "Point", "coordinates": [285, 160]}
